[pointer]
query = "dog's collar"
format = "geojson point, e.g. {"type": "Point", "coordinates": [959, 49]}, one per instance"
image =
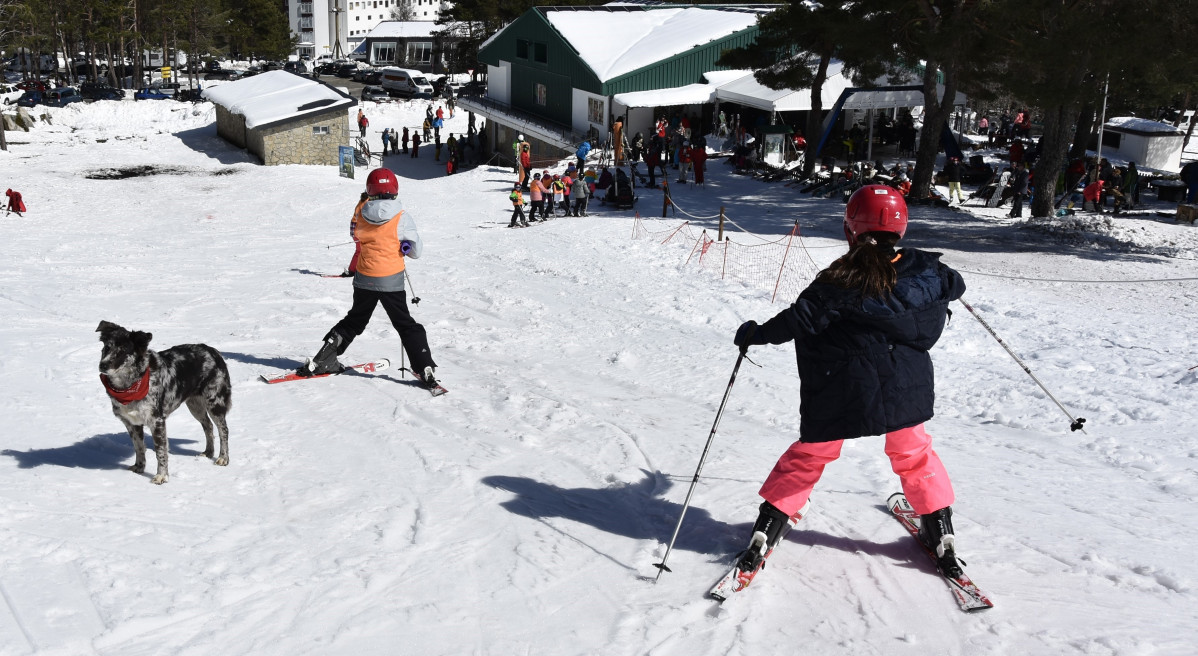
{"type": "Point", "coordinates": [135, 392]}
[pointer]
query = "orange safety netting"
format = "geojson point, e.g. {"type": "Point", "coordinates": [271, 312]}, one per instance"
{"type": "Point", "coordinates": [783, 266]}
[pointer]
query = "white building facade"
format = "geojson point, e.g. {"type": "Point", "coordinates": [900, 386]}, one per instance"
{"type": "Point", "coordinates": [334, 28]}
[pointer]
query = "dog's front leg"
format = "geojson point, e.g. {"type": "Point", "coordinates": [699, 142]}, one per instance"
{"type": "Point", "coordinates": [158, 430]}
{"type": "Point", "coordinates": [139, 448]}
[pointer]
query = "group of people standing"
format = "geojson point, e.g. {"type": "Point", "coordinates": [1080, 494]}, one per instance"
{"type": "Point", "coordinates": [569, 192]}
{"type": "Point", "coordinates": [459, 150]}
{"type": "Point", "coordinates": [680, 153]}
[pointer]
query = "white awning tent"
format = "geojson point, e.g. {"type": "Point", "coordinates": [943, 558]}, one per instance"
{"type": "Point", "coordinates": [747, 91]}
{"type": "Point", "coordinates": [742, 88]}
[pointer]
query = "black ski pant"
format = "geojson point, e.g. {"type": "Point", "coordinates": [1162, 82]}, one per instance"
{"type": "Point", "coordinates": [537, 205]}
{"type": "Point", "coordinates": [411, 333]}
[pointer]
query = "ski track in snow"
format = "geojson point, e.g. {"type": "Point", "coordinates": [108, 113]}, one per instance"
{"type": "Point", "coordinates": [523, 512]}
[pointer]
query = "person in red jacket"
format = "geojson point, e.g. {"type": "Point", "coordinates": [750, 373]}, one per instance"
{"type": "Point", "coordinates": [698, 160]}
{"type": "Point", "coordinates": [1015, 152]}
{"type": "Point", "coordinates": [1093, 194]}
{"type": "Point", "coordinates": [15, 204]}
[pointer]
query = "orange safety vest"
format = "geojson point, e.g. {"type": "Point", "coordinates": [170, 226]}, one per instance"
{"type": "Point", "coordinates": [381, 255]}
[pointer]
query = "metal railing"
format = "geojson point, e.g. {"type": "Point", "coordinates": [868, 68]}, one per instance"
{"type": "Point", "coordinates": [557, 133]}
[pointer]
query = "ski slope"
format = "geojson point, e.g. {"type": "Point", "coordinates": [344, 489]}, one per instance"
{"type": "Point", "coordinates": [522, 513]}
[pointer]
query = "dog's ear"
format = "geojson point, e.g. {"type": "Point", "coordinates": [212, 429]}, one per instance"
{"type": "Point", "coordinates": [141, 341]}
{"type": "Point", "coordinates": [107, 327]}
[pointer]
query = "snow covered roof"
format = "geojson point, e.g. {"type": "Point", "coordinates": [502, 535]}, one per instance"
{"type": "Point", "coordinates": [403, 30]}
{"type": "Point", "coordinates": [691, 94]}
{"type": "Point", "coordinates": [1142, 126]}
{"type": "Point", "coordinates": [723, 77]}
{"type": "Point", "coordinates": [613, 43]}
{"type": "Point", "coordinates": [746, 90]}
{"type": "Point", "coordinates": [275, 96]}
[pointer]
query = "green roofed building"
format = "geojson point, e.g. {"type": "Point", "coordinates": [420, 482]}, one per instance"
{"type": "Point", "coordinates": [552, 73]}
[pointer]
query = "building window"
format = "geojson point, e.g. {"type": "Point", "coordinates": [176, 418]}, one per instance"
{"type": "Point", "coordinates": [540, 93]}
{"type": "Point", "coordinates": [540, 53]}
{"type": "Point", "coordinates": [420, 52]}
{"type": "Point", "coordinates": [522, 48]}
{"type": "Point", "coordinates": [383, 52]}
{"type": "Point", "coordinates": [595, 110]}
{"type": "Point", "coordinates": [320, 129]}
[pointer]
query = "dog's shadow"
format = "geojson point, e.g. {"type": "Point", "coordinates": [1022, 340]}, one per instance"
{"type": "Point", "coordinates": [107, 451]}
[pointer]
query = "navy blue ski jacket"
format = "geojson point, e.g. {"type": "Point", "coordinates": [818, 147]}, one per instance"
{"type": "Point", "coordinates": [864, 363]}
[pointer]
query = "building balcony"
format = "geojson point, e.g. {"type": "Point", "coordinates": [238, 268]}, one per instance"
{"type": "Point", "coordinates": [305, 8]}
{"type": "Point", "coordinates": [306, 23]}
{"type": "Point", "coordinates": [557, 134]}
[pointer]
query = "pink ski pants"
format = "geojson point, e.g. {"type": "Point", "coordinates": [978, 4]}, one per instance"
{"type": "Point", "coordinates": [924, 480]}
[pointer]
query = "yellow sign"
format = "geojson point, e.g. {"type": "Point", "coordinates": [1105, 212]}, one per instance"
{"type": "Point", "coordinates": [166, 73]}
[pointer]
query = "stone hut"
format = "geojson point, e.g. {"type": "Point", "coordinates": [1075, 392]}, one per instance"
{"type": "Point", "coordinates": [283, 118]}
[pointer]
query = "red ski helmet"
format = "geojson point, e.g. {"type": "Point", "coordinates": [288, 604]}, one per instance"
{"type": "Point", "coordinates": [380, 182]}
{"type": "Point", "coordinates": [875, 208]}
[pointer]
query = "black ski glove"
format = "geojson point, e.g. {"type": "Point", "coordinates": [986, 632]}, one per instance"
{"type": "Point", "coordinates": [745, 336]}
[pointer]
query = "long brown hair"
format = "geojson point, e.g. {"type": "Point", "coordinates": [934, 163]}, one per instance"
{"type": "Point", "coordinates": [868, 266]}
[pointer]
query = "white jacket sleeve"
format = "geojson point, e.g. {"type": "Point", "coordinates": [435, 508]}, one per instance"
{"type": "Point", "coordinates": [408, 233]}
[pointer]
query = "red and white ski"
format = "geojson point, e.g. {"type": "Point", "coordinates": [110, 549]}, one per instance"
{"type": "Point", "coordinates": [437, 390]}
{"type": "Point", "coordinates": [738, 579]}
{"type": "Point", "coordinates": [969, 597]}
{"type": "Point", "coordinates": [364, 368]}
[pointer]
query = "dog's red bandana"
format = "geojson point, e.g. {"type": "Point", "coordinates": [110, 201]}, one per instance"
{"type": "Point", "coordinates": [135, 392]}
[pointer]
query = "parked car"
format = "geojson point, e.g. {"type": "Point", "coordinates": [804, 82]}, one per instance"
{"type": "Point", "coordinates": [346, 70]}
{"type": "Point", "coordinates": [406, 83]}
{"type": "Point", "coordinates": [159, 92]}
{"type": "Point", "coordinates": [327, 68]}
{"type": "Point", "coordinates": [61, 97]}
{"type": "Point", "coordinates": [476, 88]}
{"type": "Point", "coordinates": [224, 74]}
{"type": "Point", "coordinates": [297, 67]}
{"type": "Point", "coordinates": [30, 98]}
{"type": "Point", "coordinates": [31, 85]}
{"type": "Point", "coordinates": [360, 74]}
{"type": "Point", "coordinates": [376, 94]}
{"type": "Point", "coordinates": [99, 91]}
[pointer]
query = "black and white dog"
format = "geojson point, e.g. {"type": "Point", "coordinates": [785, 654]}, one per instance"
{"type": "Point", "coordinates": [145, 387]}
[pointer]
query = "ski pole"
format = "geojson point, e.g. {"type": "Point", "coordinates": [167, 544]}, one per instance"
{"type": "Point", "coordinates": [661, 567]}
{"type": "Point", "coordinates": [415, 298]}
{"type": "Point", "coordinates": [1076, 424]}
{"type": "Point", "coordinates": [344, 243]}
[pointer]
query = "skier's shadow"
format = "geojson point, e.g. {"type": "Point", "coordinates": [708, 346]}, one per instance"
{"type": "Point", "coordinates": [636, 510]}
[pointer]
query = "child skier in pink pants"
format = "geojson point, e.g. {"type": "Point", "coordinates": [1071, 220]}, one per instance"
{"type": "Point", "coordinates": [862, 331]}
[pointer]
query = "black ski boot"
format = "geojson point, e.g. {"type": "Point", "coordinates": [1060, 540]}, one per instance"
{"type": "Point", "coordinates": [430, 381]}
{"type": "Point", "coordinates": [772, 525]}
{"type": "Point", "coordinates": [936, 533]}
{"type": "Point", "coordinates": [325, 360]}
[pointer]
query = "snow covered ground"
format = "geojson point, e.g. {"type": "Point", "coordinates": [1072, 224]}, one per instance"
{"type": "Point", "coordinates": [523, 512]}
